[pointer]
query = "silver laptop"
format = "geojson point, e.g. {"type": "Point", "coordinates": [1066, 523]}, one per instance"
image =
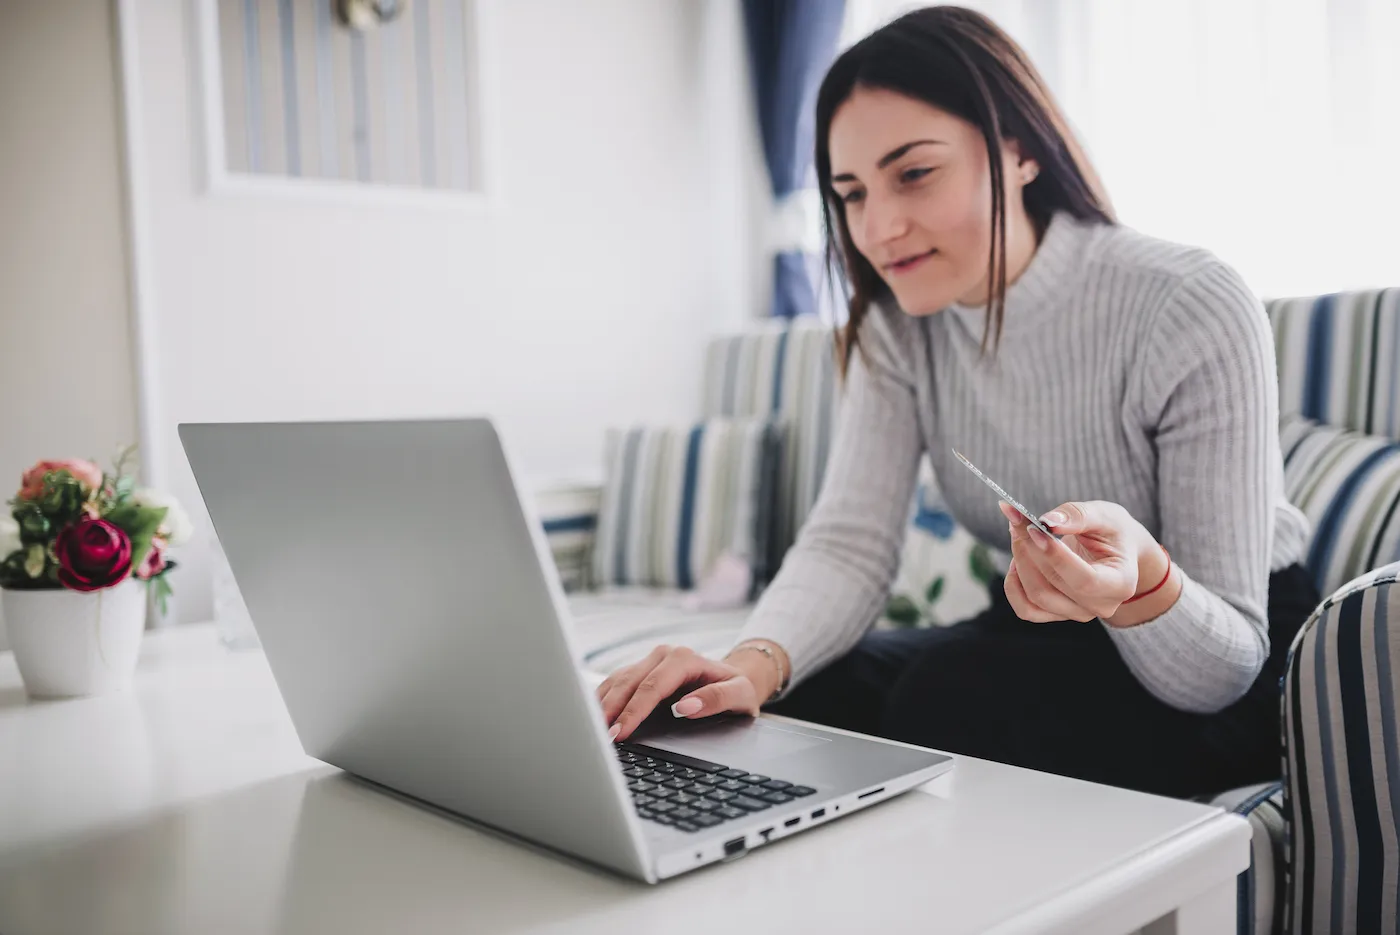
{"type": "Point", "coordinates": [410, 612]}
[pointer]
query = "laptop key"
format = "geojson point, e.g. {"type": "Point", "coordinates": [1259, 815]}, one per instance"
{"type": "Point", "coordinates": [691, 774]}
{"type": "Point", "coordinates": [696, 789]}
{"type": "Point", "coordinates": [635, 772]}
{"type": "Point", "coordinates": [777, 798]}
{"type": "Point", "coordinates": [643, 801]}
{"type": "Point", "coordinates": [748, 804]}
{"type": "Point", "coordinates": [729, 811]}
{"type": "Point", "coordinates": [687, 826]}
{"type": "Point", "coordinates": [682, 814]}
{"type": "Point", "coordinates": [642, 788]}
{"type": "Point", "coordinates": [719, 795]}
{"type": "Point", "coordinates": [710, 779]}
{"type": "Point", "coordinates": [653, 776]}
{"type": "Point", "coordinates": [707, 821]}
{"type": "Point", "coordinates": [733, 785]}
{"type": "Point", "coordinates": [754, 779]}
{"type": "Point", "coordinates": [676, 784]}
{"type": "Point", "coordinates": [732, 773]}
{"type": "Point", "coordinates": [777, 785]}
{"type": "Point", "coordinates": [680, 798]}
{"type": "Point", "coordinates": [800, 791]}
{"type": "Point", "coordinates": [661, 793]}
{"type": "Point", "coordinates": [662, 808]}
{"type": "Point", "coordinates": [663, 819]}
{"type": "Point", "coordinates": [704, 805]}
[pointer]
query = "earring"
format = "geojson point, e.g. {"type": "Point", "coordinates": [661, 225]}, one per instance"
{"type": "Point", "coordinates": [1031, 172]}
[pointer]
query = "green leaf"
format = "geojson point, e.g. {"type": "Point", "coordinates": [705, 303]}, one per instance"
{"type": "Point", "coordinates": [140, 524]}
{"type": "Point", "coordinates": [163, 591]}
{"type": "Point", "coordinates": [902, 611]}
{"type": "Point", "coordinates": [935, 590]}
{"type": "Point", "coordinates": [34, 526]}
{"type": "Point", "coordinates": [980, 564]}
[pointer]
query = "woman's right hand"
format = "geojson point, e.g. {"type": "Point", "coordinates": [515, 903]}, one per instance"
{"type": "Point", "coordinates": [630, 694]}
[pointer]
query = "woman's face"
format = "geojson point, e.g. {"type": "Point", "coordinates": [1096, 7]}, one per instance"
{"type": "Point", "coordinates": [915, 185]}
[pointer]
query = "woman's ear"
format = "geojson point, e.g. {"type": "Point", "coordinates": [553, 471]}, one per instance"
{"type": "Point", "coordinates": [1019, 166]}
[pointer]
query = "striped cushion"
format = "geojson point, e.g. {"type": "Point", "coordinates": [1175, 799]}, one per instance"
{"type": "Point", "coordinates": [1260, 896]}
{"type": "Point", "coordinates": [1342, 762]}
{"type": "Point", "coordinates": [1339, 358]}
{"type": "Point", "coordinates": [569, 515]}
{"type": "Point", "coordinates": [786, 371]}
{"type": "Point", "coordinates": [675, 499]}
{"type": "Point", "coordinates": [1348, 484]}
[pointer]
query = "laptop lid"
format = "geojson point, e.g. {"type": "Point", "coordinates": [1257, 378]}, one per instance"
{"type": "Point", "coordinates": [414, 622]}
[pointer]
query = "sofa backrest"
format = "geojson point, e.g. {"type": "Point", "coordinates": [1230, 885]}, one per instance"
{"type": "Point", "coordinates": [787, 371]}
{"type": "Point", "coordinates": [1339, 359]}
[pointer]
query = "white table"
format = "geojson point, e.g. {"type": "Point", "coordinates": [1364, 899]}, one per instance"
{"type": "Point", "coordinates": [186, 805]}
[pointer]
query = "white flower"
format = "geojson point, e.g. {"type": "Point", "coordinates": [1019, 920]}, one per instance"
{"type": "Point", "coordinates": [9, 537]}
{"type": "Point", "coordinates": [177, 527]}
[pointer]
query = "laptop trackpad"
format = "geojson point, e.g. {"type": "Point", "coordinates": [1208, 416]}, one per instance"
{"type": "Point", "coordinates": [733, 742]}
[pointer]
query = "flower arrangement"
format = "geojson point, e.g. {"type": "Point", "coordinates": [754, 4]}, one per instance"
{"type": "Point", "coordinates": [77, 527]}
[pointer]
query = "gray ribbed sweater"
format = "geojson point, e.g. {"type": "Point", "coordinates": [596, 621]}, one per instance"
{"type": "Point", "coordinates": [1130, 370]}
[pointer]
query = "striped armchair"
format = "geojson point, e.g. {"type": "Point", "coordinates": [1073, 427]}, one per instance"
{"type": "Point", "coordinates": [1327, 835]}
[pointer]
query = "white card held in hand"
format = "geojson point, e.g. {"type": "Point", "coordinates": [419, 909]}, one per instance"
{"type": "Point", "coordinates": [1035, 521]}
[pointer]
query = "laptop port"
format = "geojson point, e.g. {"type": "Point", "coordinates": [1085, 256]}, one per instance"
{"type": "Point", "coordinates": [819, 813]}
{"type": "Point", "coordinates": [766, 833]}
{"type": "Point", "coordinates": [791, 822]}
{"type": "Point", "coordinates": [866, 795]}
{"type": "Point", "coordinates": [733, 847]}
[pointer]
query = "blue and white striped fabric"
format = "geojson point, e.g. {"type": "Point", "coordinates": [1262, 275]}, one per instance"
{"type": "Point", "coordinates": [1339, 358]}
{"type": "Point", "coordinates": [676, 499]}
{"type": "Point", "coordinates": [1348, 484]}
{"type": "Point", "coordinates": [1342, 762]}
{"type": "Point", "coordinates": [1260, 889]}
{"type": "Point", "coordinates": [787, 371]}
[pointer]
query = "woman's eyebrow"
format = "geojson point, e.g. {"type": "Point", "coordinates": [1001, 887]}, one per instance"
{"type": "Point", "coordinates": [890, 157]}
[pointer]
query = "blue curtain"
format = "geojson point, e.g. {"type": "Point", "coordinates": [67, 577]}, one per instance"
{"type": "Point", "coordinates": [791, 44]}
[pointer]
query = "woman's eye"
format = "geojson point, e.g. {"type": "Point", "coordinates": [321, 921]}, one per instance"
{"type": "Point", "coordinates": [913, 175]}
{"type": "Point", "coordinates": [853, 196]}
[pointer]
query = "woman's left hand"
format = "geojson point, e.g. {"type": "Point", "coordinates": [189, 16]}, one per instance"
{"type": "Point", "coordinates": [1088, 573]}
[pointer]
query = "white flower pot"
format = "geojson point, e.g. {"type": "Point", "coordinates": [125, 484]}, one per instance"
{"type": "Point", "coordinates": [70, 643]}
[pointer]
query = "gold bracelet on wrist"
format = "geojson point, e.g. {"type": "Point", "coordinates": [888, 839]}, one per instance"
{"type": "Point", "coordinates": [768, 651]}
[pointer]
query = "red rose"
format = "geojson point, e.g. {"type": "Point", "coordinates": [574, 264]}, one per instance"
{"type": "Point", "coordinates": [154, 562]}
{"type": "Point", "coordinates": [92, 554]}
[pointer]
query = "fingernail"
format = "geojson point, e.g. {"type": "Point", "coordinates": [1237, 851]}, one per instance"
{"type": "Point", "coordinates": [1054, 518]}
{"type": "Point", "coordinates": [686, 707]}
{"type": "Point", "coordinates": [1040, 539]}
{"type": "Point", "coordinates": [614, 731]}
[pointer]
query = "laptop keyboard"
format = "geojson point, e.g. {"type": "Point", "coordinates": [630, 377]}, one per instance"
{"type": "Point", "coordinates": [692, 795]}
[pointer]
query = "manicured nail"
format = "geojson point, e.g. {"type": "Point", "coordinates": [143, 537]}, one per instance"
{"type": "Point", "coordinates": [1054, 518]}
{"type": "Point", "coordinates": [1041, 540]}
{"type": "Point", "coordinates": [614, 731]}
{"type": "Point", "coordinates": [686, 707]}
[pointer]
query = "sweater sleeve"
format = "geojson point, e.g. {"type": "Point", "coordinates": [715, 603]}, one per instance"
{"type": "Point", "coordinates": [835, 579]}
{"type": "Point", "coordinates": [1209, 382]}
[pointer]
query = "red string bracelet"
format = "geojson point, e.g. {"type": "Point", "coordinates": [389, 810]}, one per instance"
{"type": "Point", "coordinates": [1161, 584]}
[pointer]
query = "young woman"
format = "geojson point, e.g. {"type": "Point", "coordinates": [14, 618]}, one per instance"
{"type": "Point", "coordinates": [998, 308]}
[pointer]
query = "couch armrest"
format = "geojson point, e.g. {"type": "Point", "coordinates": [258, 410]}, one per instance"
{"type": "Point", "coordinates": [1342, 760]}
{"type": "Point", "coordinates": [569, 513]}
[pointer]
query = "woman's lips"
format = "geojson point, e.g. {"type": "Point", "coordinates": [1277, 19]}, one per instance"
{"type": "Point", "coordinates": [909, 263]}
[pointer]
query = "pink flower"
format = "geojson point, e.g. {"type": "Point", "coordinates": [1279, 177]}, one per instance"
{"type": "Point", "coordinates": [154, 562]}
{"type": "Point", "coordinates": [92, 554]}
{"type": "Point", "coordinates": [86, 473]}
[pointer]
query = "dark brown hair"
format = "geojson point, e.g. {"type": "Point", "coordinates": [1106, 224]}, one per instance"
{"type": "Point", "coordinates": [962, 63]}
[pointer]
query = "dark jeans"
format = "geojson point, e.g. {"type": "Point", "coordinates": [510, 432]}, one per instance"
{"type": "Point", "coordinates": [1057, 698]}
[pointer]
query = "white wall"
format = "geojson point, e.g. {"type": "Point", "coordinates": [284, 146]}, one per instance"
{"type": "Point", "coordinates": [65, 352]}
{"type": "Point", "coordinates": [616, 245]}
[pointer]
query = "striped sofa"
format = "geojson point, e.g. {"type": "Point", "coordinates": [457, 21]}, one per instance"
{"type": "Point", "coordinates": [1327, 835]}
